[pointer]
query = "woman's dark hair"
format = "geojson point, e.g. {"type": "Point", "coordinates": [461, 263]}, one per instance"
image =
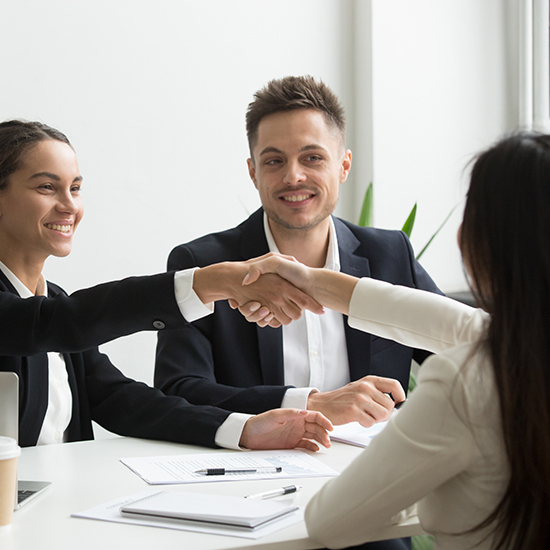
{"type": "Point", "coordinates": [505, 243]}
{"type": "Point", "coordinates": [16, 138]}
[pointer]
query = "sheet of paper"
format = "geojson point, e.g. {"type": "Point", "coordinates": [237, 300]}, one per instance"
{"type": "Point", "coordinates": [355, 434]}
{"type": "Point", "coordinates": [109, 511]}
{"type": "Point", "coordinates": [161, 470]}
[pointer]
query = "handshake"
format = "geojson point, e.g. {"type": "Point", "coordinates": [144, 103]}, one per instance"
{"type": "Point", "coordinates": [274, 290]}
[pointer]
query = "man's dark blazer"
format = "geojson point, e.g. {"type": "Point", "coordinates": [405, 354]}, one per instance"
{"type": "Point", "coordinates": [225, 361]}
{"type": "Point", "coordinates": [75, 325]}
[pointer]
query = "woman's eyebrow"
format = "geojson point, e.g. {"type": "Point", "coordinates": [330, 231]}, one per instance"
{"type": "Point", "coordinates": [47, 175]}
{"type": "Point", "coordinates": [52, 176]}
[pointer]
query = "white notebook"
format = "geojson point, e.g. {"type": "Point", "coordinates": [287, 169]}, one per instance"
{"type": "Point", "coordinates": [355, 434]}
{"type": "Point", "coordinates": [212, 509]}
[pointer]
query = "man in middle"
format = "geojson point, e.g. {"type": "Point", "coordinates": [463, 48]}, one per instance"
{"type": "Point", "coordinates": [298, 160]}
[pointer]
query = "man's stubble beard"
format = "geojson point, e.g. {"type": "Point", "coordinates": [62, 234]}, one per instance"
{"type": "Point", "coordinates": [303, 227]}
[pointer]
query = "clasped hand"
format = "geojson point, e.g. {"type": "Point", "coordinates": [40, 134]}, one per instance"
{"type": "Point", "coordinates": [281, 286]}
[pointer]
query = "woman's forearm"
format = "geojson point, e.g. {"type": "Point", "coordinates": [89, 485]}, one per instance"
{"type": "Point", "coordinates": [332, 289]}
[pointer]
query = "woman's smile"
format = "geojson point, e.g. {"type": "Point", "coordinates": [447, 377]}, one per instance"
{"type": "Point", "coordinates": [41, 207]}
{"type": "Point", "coordinates": [59, 227]}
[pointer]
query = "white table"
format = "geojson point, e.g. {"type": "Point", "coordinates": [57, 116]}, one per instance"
{"type": "Point", "coordinates": [89, 473]}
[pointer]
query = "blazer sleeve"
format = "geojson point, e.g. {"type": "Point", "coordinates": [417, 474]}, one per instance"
{"type": "Point", "coordinates": [215, 360]}
{"type": "Point", "coordinates": [425, 445]}
{"type": "Point", "coordinates": [421, 281]}
{"type": "Point", "coordinates": [127, 407]}
{"type": "Point", "coordinates": [88, 317]}
{"type": "Point", "coordinates": [412, 317]}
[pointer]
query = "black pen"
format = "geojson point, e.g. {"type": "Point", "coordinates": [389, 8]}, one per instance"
{"type": "Point", "coordinates": [224, 471]}
{"type": "Point", "coordinates": [396, 405]}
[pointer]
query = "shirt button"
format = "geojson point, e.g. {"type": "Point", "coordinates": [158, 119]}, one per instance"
{"type": "Point", "coordinates": [159, 324]}
{"type": "Point", "coordinates": [57, 435]}
{"type": "Point", "coordinates": [314, 353]}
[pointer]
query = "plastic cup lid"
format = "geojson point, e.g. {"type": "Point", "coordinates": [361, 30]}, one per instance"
{"type": "Point", "coordinates": [9, 448]}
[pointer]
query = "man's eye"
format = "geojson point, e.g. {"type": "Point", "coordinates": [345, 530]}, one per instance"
{"type": "Point", "coordinates": [272, 162]}
{"type": "Point", "coordinates": [314, 158]}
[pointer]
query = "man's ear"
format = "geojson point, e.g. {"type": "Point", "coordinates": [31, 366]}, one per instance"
{"type": "Point", "coordinates": [252, 171]}
{"type": "Point", "coordinates": [345, 166]}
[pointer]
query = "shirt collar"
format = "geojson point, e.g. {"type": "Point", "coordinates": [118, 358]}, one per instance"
{"type": "Point", "coordinates": [22, 290]}
{"type": "Point", "coordinates": [332, 261]}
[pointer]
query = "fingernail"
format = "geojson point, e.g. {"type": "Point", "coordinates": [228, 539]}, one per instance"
{"type": "Point", "coordinates": [254, 307]}
{"type": "Point", "coordinates": [247, 276]}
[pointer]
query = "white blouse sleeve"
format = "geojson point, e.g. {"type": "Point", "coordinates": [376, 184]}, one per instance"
{"type": "Point", "coordinates": [413, 317]}
{"type": "Point", "coordinates": [422, 447]}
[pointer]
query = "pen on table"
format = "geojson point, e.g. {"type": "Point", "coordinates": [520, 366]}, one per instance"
{"type": "Point", "coordinates": [289, 489]}
{"type": "Point", "coordinates": [224, 471]}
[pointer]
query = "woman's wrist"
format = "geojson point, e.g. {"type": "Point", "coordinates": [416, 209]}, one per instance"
{"type": "Point", "coordinates": [332, 289]}
{"type": "Point", "coordinates": [218, 281]}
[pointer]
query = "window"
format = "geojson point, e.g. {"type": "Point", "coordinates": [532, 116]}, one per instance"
{"type": "Point", "coordinates": [534, 73]}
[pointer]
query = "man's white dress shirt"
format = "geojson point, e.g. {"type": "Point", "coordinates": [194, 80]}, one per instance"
{"type": "Point", "coordinates": [315, 354]}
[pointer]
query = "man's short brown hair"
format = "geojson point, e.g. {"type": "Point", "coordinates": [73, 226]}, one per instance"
{"type": "Point", "coordinates": [289, 93]}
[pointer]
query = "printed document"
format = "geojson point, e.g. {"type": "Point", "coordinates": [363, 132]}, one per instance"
{"type": "Point", "coordinates": [161, 470]}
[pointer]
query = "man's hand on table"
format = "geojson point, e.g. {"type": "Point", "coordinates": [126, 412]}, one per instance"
{"type": "Point", "coordinates": [286, 429]}
{"type": "Point", "coordinates": [366, 401]}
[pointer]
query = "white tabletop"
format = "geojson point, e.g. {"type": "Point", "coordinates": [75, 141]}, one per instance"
{"type": "Point", "coordinates": [89, 473]}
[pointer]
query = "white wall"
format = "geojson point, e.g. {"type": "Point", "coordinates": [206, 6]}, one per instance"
{"type": "Point", "coordinates": [443, 83]}
{"type": "Point", "coordinates": [153, 95]}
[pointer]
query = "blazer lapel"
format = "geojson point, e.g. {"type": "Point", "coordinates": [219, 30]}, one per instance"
{"type": "Point", "coordinates": [33, 378]}
{"type": "Point", "coordinates": [33, 394]}
{"type": "Point", "coordinates": [358, 342]}
{"type": "Point", "coordinates": [270, 340]}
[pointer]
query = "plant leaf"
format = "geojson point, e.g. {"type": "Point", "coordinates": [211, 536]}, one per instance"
{"type": "Point", "coordinates": [435, 234]}
{"type": "Point", "coordinates": [365, 218]}
{"type": "Point", "coordinates": [422, 542]}
{"type": "Point", "coordinates": [412, 381]}
{"type": "Point", "coordinates": [409, 224]}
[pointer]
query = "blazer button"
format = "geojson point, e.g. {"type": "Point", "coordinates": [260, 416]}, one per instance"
{"type": "Point", "coordinates": [159, 325]}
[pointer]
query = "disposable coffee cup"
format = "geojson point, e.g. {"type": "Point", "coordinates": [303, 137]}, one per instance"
{"type": "Point", "coordinates": [9, 453]}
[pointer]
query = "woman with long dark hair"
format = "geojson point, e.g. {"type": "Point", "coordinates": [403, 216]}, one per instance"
{"type": "Point", "coordinates": [472, 444]}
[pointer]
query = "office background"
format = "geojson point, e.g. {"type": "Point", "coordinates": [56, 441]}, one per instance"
{"type": "Point", "coordinates": [153, 94]}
